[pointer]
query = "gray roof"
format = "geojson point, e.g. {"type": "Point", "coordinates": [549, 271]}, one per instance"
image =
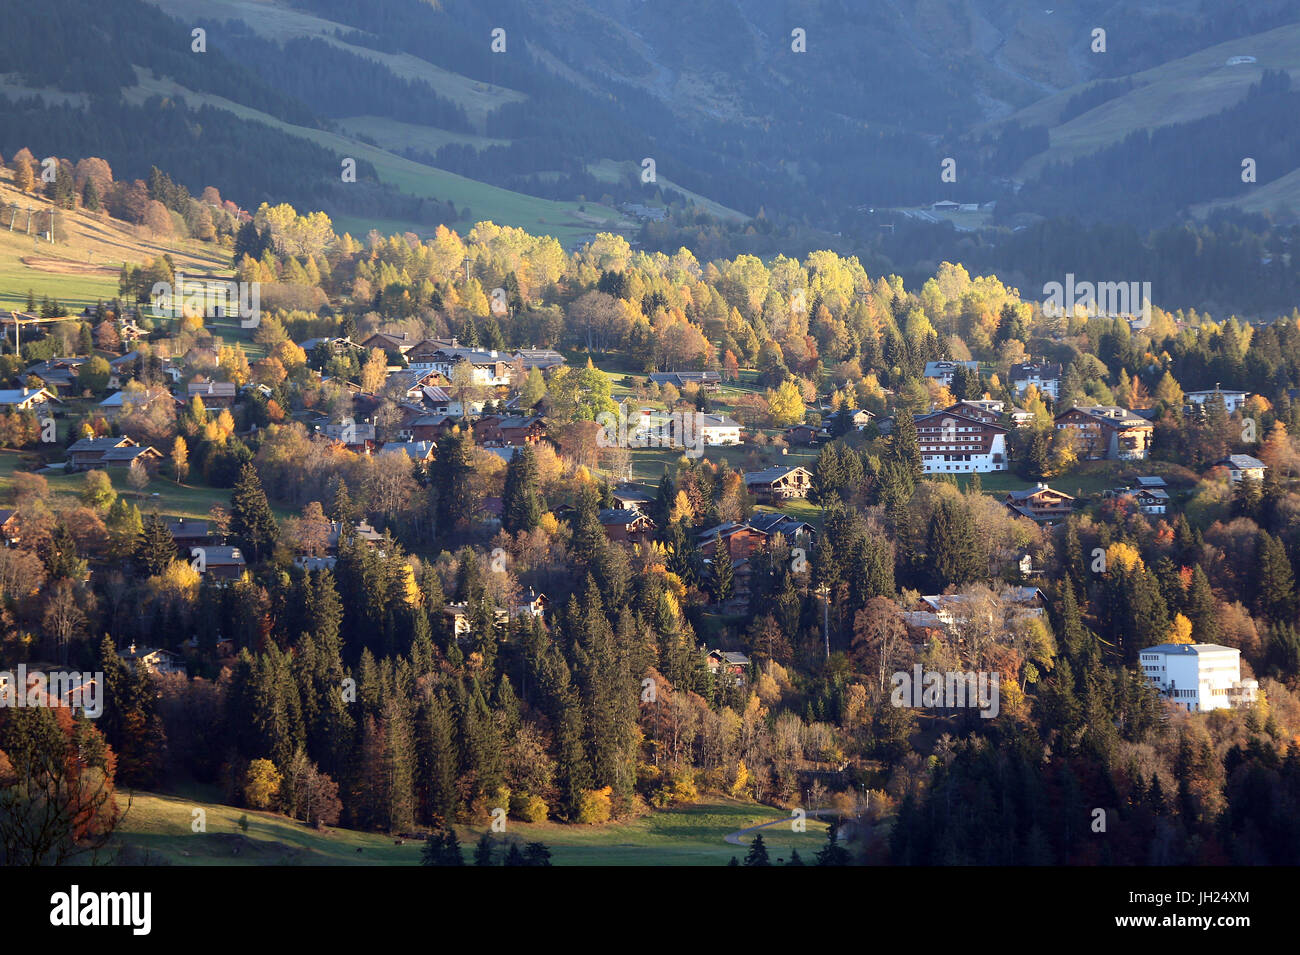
{"type": "Point", "coordinates": [1242, 461]}
{"type": "Point", "coordinates": [617, 515]}
{"type": "Point", "coordinates": [768, 475]}
{"type": "Point", "coordinates": [415, 450]}
{"type": "Point", "coordinates": [732, 657]}
{"type": "Point", "coordinates": [225, 556]}
{"type": "Point", "coordinates": [937, 369]}
{"type": "Point", "coordinates": [98, 444]}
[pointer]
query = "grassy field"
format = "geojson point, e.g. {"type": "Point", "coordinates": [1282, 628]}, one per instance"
{"type": "Point", "coordinates": [191, 501]}
{"type": "Point", "coordinates": [608, 170]}
{"type": "Point", "coordinates": [83, 269]}
{"type": "Point", "coordinates": [277, 21]}
{"type": "Point", "coordinates": [563, 220]}
{"type": "Point", "coordinates": [1192, 87]}
{"type": "Point", "coordinates": [157, 830]}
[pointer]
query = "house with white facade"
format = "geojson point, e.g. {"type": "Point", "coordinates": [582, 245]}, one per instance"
{"type": "Point", "coordinates": [1198, 676]}
{"type": "Point", "coordinates": [953, 443]}
{"type": "Point", "coordinates": [1044, 375]}
{"type": "Point", "coordinates": [1232, 399]}
{"type": "Point", "coordinates": [942, 371]}
{"type": "Point", "coordinates": [1243, 467]}
{"type": "Point", "coordinates": [718, 429]}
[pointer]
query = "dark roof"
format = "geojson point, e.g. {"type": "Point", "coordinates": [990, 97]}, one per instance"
{"type": "Point", "coordinates": [617, 515]}
{"type": "Point", "coordinates": [768, 475]}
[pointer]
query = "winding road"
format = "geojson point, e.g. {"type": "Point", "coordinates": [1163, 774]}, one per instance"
{"type": "Point", "coordinates": [734, 837]}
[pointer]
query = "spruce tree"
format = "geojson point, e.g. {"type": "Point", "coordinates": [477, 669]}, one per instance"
{"type": "Point", "coordinates": [156, 549]}
{"type": "Point", "coordinates": [536, 853]}
{"type": "Point", "coordinates": [757, 854]}
{"type": "Point", "coordinates": [483, 850]}
{"type": "Point", "coordinates": [453, 469]}
{"type": "Point", "coordinates": [521, 504]}
{"type": "Point", "coordinates": [724, 579]}
{"type": "Point", "coordinates": [952, 547]}
{"type": "Point", "coordinates": [833, 853]}
{"type": "Point", "coordinates": [905, 445]}
{"type": "Point", "coordinates": [251, 520]}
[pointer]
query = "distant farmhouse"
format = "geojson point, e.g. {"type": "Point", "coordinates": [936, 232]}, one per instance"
{"type": "Point", "coordinates": [708, 380]}
{"type": "Point", "coordinates": [24, 399]}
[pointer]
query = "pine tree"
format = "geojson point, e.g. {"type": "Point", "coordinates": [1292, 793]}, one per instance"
{"type": "Point", "coordinates": [341, 506]}
{"type": "Point", "coordinates": [952, 548]}
{"type": "Point", "coordinates": [905, 445]}
{"type": "Point", "coordinates": [536, 853]}
{"type": "Point", "coordinates": [468, 333]}
{"type": "Point", "coordinates": [441, 848]}
{"type": "Point", "coordinates": [723, 583]}
{"type": "Point", "coordinates": [521, 504]}
{"type": "Point", "coordinates": [90, 197]}
{"type": "Point", "coordinates": [1274, 579]}
{"type": "Point", "coordinates": [251, 520]}
{"type": "Point", "coordinates": [452, 472]}
{"type": "Point", "coordinates": [757, 854]}
{"type": "Point", "coordinates": [156, 549]}
{"type": "Point", "coordinates": [833, 853]}
{"type": "Point", "coordinates": [438, 761]}
{"type": "Point", "coordinates": [588, 533]}
{"type": "Point", "coordinates": [483, 850]}
{"type": "Point", "coordinates": [398, 767]}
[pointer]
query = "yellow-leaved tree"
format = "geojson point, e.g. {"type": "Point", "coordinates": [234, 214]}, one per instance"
{"type": "Point", "coordinates": [262, 783]}
{"type": "Point", "coordinates": [1181, 631]}
{"type": "Point", "coordinates": [785, 404]}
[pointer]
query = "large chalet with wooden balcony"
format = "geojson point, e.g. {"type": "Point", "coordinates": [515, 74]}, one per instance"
{"type": "Point", "coordinates": [773, 485]}
{"type": "Point", "coordinates": [1041, 503]}
{"type": "Point", "coordinates": [626, 526]}
{"type": "Point", "coordinates": [755, 536]}
{"type": "Point", "coordinates": [953, 443]}
{"type": "Point", "coordinates": [500, 431]}
{"type": "Point", "coordinates": [1106, 432]}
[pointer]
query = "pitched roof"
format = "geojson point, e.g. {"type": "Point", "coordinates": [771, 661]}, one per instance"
{"type": "Point", "coordinates": [1242, 462]}
{"type": "Point", "coordinates": [616, 515]}
{"type": "Point", "coordinates": [768, 475]}
{"type": "Point", "coordinates": [1110, 414]}
{"type": "Point", "coordinates": [99, 444]}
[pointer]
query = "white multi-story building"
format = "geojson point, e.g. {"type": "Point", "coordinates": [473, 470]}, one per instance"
{"type": "Point", "coordinates": [955, 444]}
{"type": "Point", "coordinates": [1198, 676]}
{"type": "Point", "coordinates": [1232, 399]}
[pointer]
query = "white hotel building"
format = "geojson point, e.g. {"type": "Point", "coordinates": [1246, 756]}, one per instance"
{"type": "Point", "coordinates": [1198, 676]}
{"type": "Point", "coordinates": [956, 444]}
